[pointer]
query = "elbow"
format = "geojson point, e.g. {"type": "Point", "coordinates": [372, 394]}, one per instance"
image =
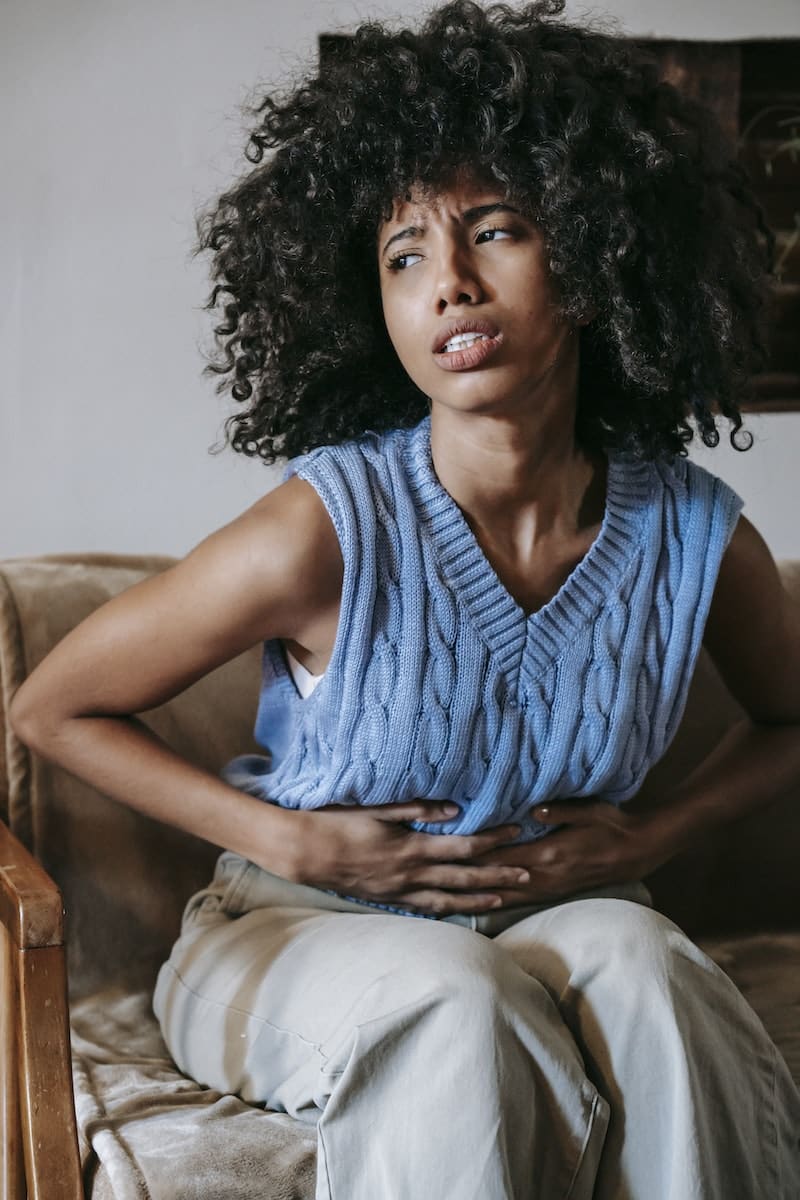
{"type": "Point", "coordinates": [29, 720]}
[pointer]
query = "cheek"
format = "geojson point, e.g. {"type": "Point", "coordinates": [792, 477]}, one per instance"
{"type": "Point", "coordinates": [391, 316]}
{"type": "Point", "coordinates": [412, 360]}
{"type": "Point", "coordinates": [399, 320]}
{"type": "Point", "coordinates": [544, 320]}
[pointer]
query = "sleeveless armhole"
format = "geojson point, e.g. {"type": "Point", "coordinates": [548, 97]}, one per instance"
{"type": "Point", "coordinates": [724, 507]}
{"type": "Point", "coordinates": [340, 478]}
{"type": "Point", "coordinates": [711, 513]}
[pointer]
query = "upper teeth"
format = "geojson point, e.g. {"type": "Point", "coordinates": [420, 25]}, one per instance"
{"type": "Point", "coordinates": [462, 340]}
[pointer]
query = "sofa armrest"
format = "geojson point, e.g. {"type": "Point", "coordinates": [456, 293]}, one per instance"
{"type": "Point", "coordinates": [36, 1093]}
{"type": "Point", "coordinates": [30, 903]}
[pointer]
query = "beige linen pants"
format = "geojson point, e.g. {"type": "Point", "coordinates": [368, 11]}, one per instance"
{"type": "Point", "coordinates": [582, 1049]}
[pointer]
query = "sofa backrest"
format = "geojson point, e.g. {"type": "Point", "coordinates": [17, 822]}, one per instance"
{"type": "Point", "coordinates": [125, 878]}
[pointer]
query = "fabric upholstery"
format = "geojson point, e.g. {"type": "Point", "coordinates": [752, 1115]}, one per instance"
{"type": "Point", "coordinates": [136, 1108]}
{"type": "Point", "coordinates": [143, 1117]}
{"type": "Point", "coordinates": [125, 880]}
{"type": "Point", "coordinates": [105, 858]}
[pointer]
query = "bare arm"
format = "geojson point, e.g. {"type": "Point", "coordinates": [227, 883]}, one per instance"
{"type": "Point", "coordinates": [150, 643]}
{"type": "Point", "coordinates": [753, 636]}
{"type": "Point", "coordinates": [274, 572]}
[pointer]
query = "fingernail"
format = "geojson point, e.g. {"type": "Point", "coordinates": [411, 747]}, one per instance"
{"type": "Point", "coordinates": [496, 903]}
{"type": "Point", "coordinates": [543, 812]}
{"type": "Point", "coordinates": [450, 809]}
{"type": "Point", "coordinates": [523, 877]}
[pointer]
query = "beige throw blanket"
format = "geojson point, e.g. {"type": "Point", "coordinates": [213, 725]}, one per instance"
{"type": "Point", "coordinates": [148, 1133]}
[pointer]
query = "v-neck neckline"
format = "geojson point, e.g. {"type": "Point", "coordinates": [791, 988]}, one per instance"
{"type": "Point", "coordinates": [527, 644]}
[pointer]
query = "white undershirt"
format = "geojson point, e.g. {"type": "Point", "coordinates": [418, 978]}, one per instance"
{"type": "Point", "coordinates": [304, 681]}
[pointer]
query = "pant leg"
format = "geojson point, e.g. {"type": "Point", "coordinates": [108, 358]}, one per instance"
{"type": "Point", "coordinates": [702, 1104]}
{"type": "Point", "coordinates": [432, 1065]}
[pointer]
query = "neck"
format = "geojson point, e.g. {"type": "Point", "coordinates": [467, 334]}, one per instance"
{"type": "Point", "coordinates": [516, 468]}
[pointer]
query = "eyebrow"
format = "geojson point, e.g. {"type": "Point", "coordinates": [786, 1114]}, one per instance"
{"type": "Point", "coordinates": [468, 217]}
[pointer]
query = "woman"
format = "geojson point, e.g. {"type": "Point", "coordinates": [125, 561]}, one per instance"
{"type": "Point", "coordinates": [486, 276]}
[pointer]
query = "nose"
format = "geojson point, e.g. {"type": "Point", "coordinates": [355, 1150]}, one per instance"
{"type": "Point", "coordinates": [458, 281]}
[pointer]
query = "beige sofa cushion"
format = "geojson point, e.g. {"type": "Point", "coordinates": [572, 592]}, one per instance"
{"type": "Point", "coordinates": [149, 1133]}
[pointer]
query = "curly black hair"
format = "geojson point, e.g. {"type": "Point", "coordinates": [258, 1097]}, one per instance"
{"type": "Point", "coordinates": [649, 225]}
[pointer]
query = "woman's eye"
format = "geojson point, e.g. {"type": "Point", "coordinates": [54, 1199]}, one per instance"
{"type": "Point", "coordinates": [494, 233]}
{"type": "Point", "coordinates": [400, 261]}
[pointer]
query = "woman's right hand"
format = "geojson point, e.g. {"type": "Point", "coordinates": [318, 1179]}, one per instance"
{"type": "Point", "coordinates": [371, 853]}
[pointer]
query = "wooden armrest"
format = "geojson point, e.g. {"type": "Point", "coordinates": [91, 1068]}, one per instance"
{"type": "Point", "coordinates": [30, 903]}
{"type": "Point", "coordinates": [37, 1110]}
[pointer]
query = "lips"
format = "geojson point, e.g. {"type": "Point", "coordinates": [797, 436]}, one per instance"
{"type": "Point", "coordinates": [467, 356]}
{"type": "Point", "coordinates": [464, 325]}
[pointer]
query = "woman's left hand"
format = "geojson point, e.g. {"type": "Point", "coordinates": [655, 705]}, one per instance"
{"type": "Point", "coordinates": [596, 844]}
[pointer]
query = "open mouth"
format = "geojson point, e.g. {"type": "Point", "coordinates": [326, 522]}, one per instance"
{"type": "Point", "coordinates": [462, 341]}
{"type": "Point", "coordinates": [465, 350]}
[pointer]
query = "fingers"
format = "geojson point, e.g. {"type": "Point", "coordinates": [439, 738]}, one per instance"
{"type": "Point", "coordinates": [444, 904]}
{"type": "Point", "coordinates": [416, 810]}
{"type": "Point", "coordinates": [441, 888]}
{"type": "Point", "coordinates": [472, 878]}
{"type": "Point", "coordinates": [458, 847]}
{"type": "Point", "coordinates": [577, 812]}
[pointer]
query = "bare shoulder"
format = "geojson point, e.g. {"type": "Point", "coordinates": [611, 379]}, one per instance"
{"type": "Point", "coordinates": [274, 571]}
{"type": "Point", "coordinates": [290, 529]}
{"type": "Point", "coordinates": [281, 560]}
{"type": "Point", "coordinates": [753, 630]}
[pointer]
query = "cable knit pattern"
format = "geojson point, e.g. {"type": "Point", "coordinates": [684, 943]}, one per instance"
{"type": "Point", "coordinates": [440, 687]}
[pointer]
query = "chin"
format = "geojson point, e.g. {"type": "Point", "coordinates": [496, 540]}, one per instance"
{"type": "Point", "coordinates": [465, 390]}
{"type": "Point", "coordinates": [480, 406]}
{"type": "Point", "coordinates": [480, 401]}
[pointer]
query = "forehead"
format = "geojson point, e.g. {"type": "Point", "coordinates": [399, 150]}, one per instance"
{"type": "Point", "coordinates": [446, 198]}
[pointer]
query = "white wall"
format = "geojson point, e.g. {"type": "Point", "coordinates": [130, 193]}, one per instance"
{"type": "Point", "coordinates": [119, 120]}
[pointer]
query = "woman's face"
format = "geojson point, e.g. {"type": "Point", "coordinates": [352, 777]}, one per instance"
{"type": "Point", "coordinates": [468, 299]}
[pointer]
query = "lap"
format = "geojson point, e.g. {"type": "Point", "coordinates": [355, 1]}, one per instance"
{"type": "Point", "coordinates": [261, 947]}
{"type": "Point", "coordinates": [269, 983]}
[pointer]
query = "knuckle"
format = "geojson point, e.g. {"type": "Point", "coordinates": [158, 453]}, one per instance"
{"type": "Point", "coordinates": [401, 877]}
{"type": "Point", "coordinates": [425, 901]}
{"type": "Point", "coordinates": [410, 850]}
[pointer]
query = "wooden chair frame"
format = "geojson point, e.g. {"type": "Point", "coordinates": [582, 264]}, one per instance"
{"type": "Point", "coordinates": [37, 1107]}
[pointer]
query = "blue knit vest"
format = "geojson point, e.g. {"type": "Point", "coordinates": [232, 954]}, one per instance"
{"type": "Point", "coordinates": [440, 687]}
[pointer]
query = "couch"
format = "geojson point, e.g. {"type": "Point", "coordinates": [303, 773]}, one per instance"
{"type": "Point", "coordinates": [90, 1102]}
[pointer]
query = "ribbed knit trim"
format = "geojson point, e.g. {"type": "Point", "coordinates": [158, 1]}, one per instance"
{"type": "Point", "coordinates": [530, 644]}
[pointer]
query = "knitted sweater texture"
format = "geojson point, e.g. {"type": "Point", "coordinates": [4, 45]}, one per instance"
{"type": "Point", "coordinates": [439, 685]}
